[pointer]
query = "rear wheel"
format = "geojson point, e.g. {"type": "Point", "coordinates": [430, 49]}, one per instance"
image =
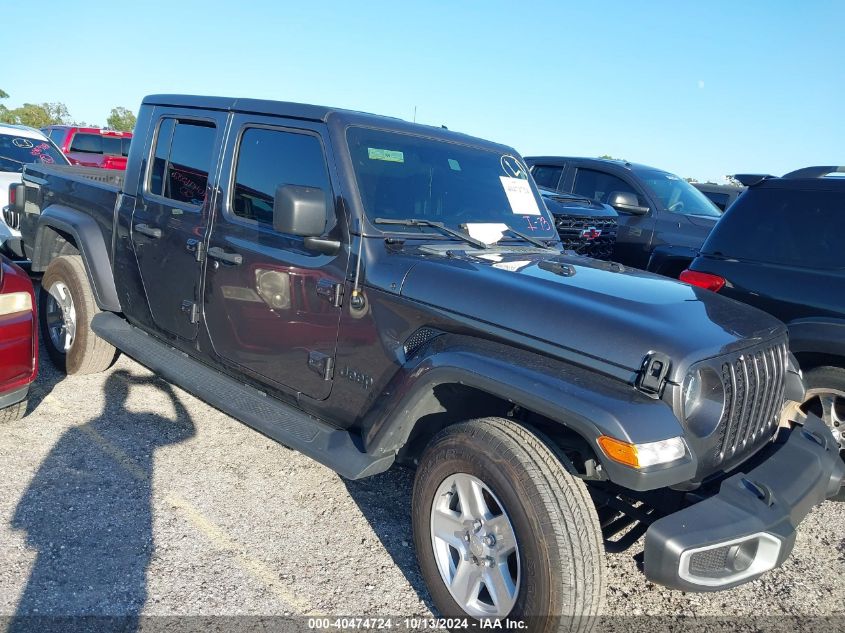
{"type": "Point", "coordinates": [502, 530]}
{"type": "Point", "coordinates": [66, 306]}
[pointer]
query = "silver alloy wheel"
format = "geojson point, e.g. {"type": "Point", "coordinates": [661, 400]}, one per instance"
{"type": "Point", "coordinates": [61, 316]}
{"type": "Point", "coordinates": [829, 405]}
{"type": "Point", "coordinates": [475, 547]}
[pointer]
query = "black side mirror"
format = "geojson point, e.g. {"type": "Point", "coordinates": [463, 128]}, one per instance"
{"type": "Point", "coordinates": [303, 211]}
{"type": "Point", "coordinates": [626, 202]}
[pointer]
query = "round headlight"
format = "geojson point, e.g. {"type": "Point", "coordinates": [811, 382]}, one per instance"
{"type": "Point", "coordinates": [703, 397]}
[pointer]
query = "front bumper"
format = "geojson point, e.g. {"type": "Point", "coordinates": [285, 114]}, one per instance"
{"type": "Point", "coordinates": [749, 526]}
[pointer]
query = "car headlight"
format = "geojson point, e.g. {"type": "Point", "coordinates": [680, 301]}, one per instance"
{"type": "Point", "coordinates": [15, 302]}
{"type": "Point", "coordinates": [703, 401]}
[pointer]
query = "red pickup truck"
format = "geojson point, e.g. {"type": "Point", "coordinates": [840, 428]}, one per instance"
{"type": "Point", "coordinates": [18, 340]}
{"type": "Point", "coordinates": [91, 146]}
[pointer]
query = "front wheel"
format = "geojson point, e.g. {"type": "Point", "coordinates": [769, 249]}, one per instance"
{"type": "Point", "coordinates": [66, 306]}
{"type": "Point", "coordinates": [503, 530]}
{"type": "Point", "coordinates": [825, 397]}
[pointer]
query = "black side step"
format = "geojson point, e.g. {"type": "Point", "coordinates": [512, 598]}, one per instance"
{"type": "Point", "coordinates": [288, 425]}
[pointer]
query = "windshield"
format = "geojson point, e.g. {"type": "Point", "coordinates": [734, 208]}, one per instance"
{"type": "Point", "coordinates": [17, 151]}
{"type": "Point", "coordinates": [402, 176]}
{"type": "Point", "coordinates": [677, 195]}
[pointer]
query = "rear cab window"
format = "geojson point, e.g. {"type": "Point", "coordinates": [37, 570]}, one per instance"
{"type": "Point", "coordinates": [795, 227]}
{"type": "Point", "coordinates": [547, 176]}
{"type": "Point", "coordinates": [181, 160]}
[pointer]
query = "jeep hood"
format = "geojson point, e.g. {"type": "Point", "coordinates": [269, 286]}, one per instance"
{"type": "Point", "coordinates": [592, 308]}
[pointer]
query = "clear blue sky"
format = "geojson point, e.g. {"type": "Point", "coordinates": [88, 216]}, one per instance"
{"type": "Point", "coordinates": [702, 89]}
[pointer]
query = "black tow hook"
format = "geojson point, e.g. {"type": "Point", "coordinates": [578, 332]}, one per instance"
{"type": "Point", "coordinates": [761, 491]}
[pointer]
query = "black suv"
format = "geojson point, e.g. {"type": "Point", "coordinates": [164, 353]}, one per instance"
{"type": "Point", "coordinates": [663, 220]}
{"type": "Point", "coordinates": [780, 248]}
{"type": "Point", "coordinates": [583, 225]}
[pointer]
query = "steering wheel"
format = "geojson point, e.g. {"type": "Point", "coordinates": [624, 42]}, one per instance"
{"type": "Point", "coordinates": [678, 207]}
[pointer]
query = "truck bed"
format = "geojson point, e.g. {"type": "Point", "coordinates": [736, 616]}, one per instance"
{"type": "Point", "coordinates": [90, 189]}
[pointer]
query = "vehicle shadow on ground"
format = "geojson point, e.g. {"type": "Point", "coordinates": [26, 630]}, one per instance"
{"type": "Point", "coordinates": [385, 501]}
{"type": "Point", "coordinates": [87, 512]}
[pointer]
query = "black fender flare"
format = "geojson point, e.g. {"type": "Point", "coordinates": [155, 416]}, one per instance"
{"type": "Point", "coordinates": [817, 335]}
{"type": "Point", "coordinates": [670, 254]}
{"type": "Point", "coordinates": [90, 243]}
{"type": "Point", "coordinates": [583, 401]}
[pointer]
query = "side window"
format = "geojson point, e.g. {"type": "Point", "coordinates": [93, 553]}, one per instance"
{"type": "Point", "coordinates": [598, 185]}
{"type": "Point", "coordinates": [269, 158]}
{"type": "Point", "coordinates": [547, 176]}
{"type": "Point", "coordinates": [57, 135]}
{"type": "Point", "coordinates": [182, 160]}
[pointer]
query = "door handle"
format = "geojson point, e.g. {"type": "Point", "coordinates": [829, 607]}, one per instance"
{"type": "Point", "coordinates": [148, 230]}
{"type": "Point", "coordinates": [215, 252]}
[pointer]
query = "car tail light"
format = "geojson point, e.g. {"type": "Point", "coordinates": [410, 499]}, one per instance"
{"type": "Point", "coordinates": [703, 280]}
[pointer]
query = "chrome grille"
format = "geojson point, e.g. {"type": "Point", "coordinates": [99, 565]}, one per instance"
{"type": "Point", "coordinates": [754, 392]}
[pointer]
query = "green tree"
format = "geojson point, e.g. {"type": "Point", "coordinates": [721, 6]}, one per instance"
{"type": "Point", "coordinates": [35, 114]}
{"type": "Point", "coordinates": [4, 94]}
{"type": "Point", "coordinates": [121, 119]}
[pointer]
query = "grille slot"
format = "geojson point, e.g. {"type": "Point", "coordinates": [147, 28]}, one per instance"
{"type": "Point", "coordinates": [754, 390]}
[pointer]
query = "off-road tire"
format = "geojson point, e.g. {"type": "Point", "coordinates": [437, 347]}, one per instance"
{"type": "Point", "coordinates": [13, 413]}
{"type": "Point", "coordinates": [88, 354]}
{"type": "Point", "coordinates": [553, 517]}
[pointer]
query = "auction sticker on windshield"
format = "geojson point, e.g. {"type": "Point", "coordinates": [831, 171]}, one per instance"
{"type": "Point", "coordinates": [389, 155]}
{"type": "Point", "coordinates": [520, 196]}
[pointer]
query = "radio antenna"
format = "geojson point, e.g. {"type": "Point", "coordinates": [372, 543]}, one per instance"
{"type": "Point", "coordinates": [357, 299]}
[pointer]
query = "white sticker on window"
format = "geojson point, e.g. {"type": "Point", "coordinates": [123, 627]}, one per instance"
{"type": "Point", "coordinates": [520, 196]}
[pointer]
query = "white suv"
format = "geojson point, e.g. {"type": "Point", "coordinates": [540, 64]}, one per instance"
{"type": "Point", "coordinates": [20, 145]}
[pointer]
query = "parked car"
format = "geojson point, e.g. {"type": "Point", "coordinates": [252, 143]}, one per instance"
{"type": "Point", "coordinates": [583, 225]}
{"type": "Point", "coordinates": [723, 196]}
{"type": "Point", "coordinates": [18, 340]}
{"type": "Point", "coordinates": [541, 395]}
{"type": "Point", "coordinates": [663, 220]}
{"type": "Point", "coordinates": [91, 146]}
{"type": "Point", "coordinates": [780, 248]}
{"type": "Point", "coordinates": [20, 145]}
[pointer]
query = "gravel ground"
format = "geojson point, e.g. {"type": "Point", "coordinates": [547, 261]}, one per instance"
{"type": "Point", "coordinates": [124, 495]}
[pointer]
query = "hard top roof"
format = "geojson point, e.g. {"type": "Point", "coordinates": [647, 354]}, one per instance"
{"type": "Point", "coordinates": [315, 113]}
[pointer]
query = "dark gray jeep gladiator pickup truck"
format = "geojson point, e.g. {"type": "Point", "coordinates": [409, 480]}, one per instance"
{"type": "Point", "coordinates": [369, 291]}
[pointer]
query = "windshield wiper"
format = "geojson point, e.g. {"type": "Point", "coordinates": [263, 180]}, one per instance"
{"type": "Point", "coordinates": [435, 225]}
{"type": "Point", "coordinates": [532, 240]}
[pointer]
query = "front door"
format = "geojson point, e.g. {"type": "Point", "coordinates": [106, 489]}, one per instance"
{"type": "Point", "coordinates": [271, 306]}
{"type": "Point", "coordinates": [171, 216]}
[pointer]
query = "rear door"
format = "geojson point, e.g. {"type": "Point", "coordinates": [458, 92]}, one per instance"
{"type": "Point", "coordinates": [171, 215]}
{"type": "Point", "coordinates": [270, 304]}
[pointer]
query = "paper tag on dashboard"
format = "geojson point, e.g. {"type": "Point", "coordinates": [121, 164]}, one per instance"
{"type": "Point", "coordinates": [520, 196]}
{"type": "Point", "coordinates": [487, 232]}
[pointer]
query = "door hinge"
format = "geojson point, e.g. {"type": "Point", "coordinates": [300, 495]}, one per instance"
{"type": "Point", "coordinates": [330, 291]}
{"type": "Point", "coordinates": [192, 310]}
{"type": "Point", "coordinates": [197, 247]}
{"type": "Point", "coordinates": [322, 364]}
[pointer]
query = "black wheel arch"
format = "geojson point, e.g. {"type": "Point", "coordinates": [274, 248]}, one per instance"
{"type": "Point", "coordinates": [62, 231]}
{"type": "Point", "coordinates": [460, 378]}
